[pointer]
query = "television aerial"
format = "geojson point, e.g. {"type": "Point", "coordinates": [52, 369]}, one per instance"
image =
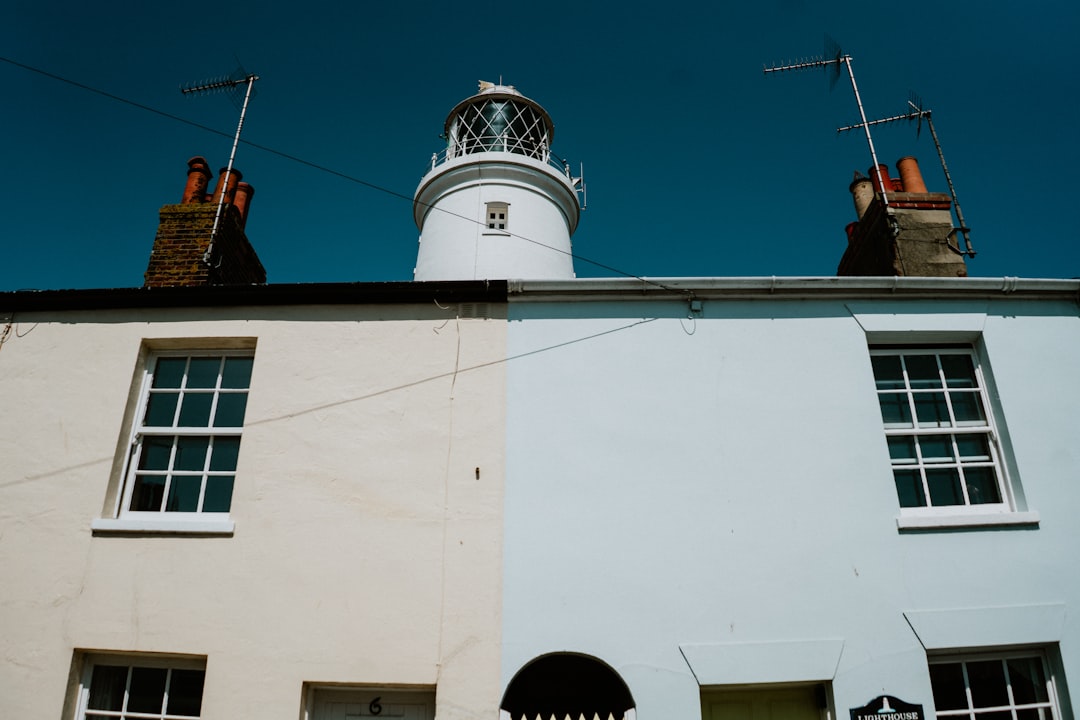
{"type": "Point", "coordinates": [919, 112]}
{"type": "Point", "coordinates": [835, 59]}
{"type": "Point", "coordinates": [230, 84]}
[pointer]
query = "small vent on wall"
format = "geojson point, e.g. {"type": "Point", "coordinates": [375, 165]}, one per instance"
{"type": "Point", "coordinates": [473, 310]}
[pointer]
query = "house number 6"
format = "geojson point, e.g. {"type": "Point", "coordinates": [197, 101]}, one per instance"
{"type": "Point", "coordinates": [374, 707]}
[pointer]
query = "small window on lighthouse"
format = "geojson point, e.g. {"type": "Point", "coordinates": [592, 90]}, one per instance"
{"type": "Point", "coordinates": [498, 214]}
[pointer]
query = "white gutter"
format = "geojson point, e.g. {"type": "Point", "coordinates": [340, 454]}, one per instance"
{"type": "Point", "coordinates": [789, 287]}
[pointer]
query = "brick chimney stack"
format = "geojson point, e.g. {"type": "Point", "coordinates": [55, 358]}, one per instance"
{"type": "Point", "coordinates": [912, 236]}
{"type": "Point", "coordinates": [184, 235]}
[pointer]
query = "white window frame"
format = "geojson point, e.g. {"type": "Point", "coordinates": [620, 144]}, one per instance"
{"type": "Point", "coordinates": [929, 515]}
{"type": "Point", "coordinates": [1051, 704]}
{"type": "Point", "coordinates": [164, 520]}
{"type": "Point", "coordinates": [497, 225]}
{"type": "Point", "coordinates": [134, 661]}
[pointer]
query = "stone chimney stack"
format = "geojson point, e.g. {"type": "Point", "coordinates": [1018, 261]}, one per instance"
{"type": "Point", "coordinates": [912, 235]}
{"type": "Point", "coordinates": [184, 252]}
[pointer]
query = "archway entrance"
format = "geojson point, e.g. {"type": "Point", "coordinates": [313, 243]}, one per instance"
{"type": "Point", "coordinates": [565, 684]}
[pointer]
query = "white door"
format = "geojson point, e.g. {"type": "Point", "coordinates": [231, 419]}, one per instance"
{"type": "Point", "coordinates": [339, 704]}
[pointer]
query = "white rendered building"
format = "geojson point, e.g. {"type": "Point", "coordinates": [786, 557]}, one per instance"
{"type": "Point", "coordinates": [251, 502]}
{"type": "Point", "coordinates": [791, 498]}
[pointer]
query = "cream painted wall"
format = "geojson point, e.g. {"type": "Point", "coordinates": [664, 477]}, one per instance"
{"type": "Point", "coordinates": [366, 548]}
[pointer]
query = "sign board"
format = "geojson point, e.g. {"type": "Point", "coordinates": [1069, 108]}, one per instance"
{"type": "Point", "coordinates": [888, 707]}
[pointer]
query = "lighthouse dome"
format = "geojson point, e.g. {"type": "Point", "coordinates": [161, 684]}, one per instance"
{"type": "Point", "coordinates": [499, 118]}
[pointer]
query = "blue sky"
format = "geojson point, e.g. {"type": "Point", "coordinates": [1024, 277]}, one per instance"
{"type": "Point", "coordinates": [697, 164]}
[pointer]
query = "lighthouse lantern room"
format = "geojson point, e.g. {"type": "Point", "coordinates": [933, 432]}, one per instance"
{"type": "Point", "coordinates": [496, 204]}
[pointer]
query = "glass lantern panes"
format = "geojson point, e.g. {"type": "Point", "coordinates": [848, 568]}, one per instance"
{"type": "Point", "coordinates": [938, 429]}
{"type": "Point", "coordinates": [188, 437]}
{"type": "Point", "coordinates": [500, 125]}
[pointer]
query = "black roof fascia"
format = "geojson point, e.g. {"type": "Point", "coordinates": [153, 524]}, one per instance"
{"type": "Point", "coordinates": [360, 293]}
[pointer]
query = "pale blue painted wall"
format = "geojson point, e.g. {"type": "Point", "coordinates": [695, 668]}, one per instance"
{"type": "Point", "coordinates": [726, 480]}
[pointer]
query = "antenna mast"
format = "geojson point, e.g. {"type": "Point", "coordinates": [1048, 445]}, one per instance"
{"type": "Point", "coordinates": [838, 60]}
{"type": "Point", "coordinates": [918, 112]}
{"type": "Point", "coordinates": [231, 82]}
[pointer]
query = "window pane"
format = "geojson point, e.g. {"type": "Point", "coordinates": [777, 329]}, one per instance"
{"type": "Point", "coordinates": [195, 410]}
{"type": "Point", "coordinates": [959, 372]}
{"type": "Point", "coordinates": [160, 409]}
{"type": "Point", "coordinates": [909, 488]}
{"type": "Point", "coordinates": [982, 486]}
{"type": "Point", "coordinates": [155, 453]}
{"type": "Point", "coordinates": [225, 452]}
{"type": "Point", "coordinates": [994, 715]}
{"type": "Point", "coordinates": [169, 372]}
{"type": "Point", "coordinates": [967, 407]}
{"type": "Point", "coordinates": [184, 493]}
{"type": "Point", "coordinates": [1028, 681]}
{"type": "Point", "coordinates": [218, 493]}
{"type": "Point", "coordinates": [887, 372]}
{"type": "Point", "coordinates": [901, 449]}
{"type": "Point", "coordinates": [230, 410]}
{"type": "Point", "coordinates": [185, 692]}
{"type": "Point", "coordinates": [944, 487]}
{"type": "Point", "coordinates": [107, 687]}
{"type": "Point", "coordinates": [936, 448]}
{"type": "Point", "coordinates": [203, 372]}
{"type": "Point", "coordinates": [1043, 713]}
{"type": "Point", "coordinates": [947, 681]}
{"type": "Point", "coordinates": [148, 493]}
{"type": "Point", "coordinates": [147, 691]}
{"type": "Point", "coordinates": [237, 372]}
{"type": "Point", "coordinates": [191, 395]}
{"type": "Point", "coordinates": [987, 681]}
{"type": "Point", "coordinates": [922, 371]}
{"type": "Point", "coordinates": [190, 453]}
{"type": "Point", "coordinates": [973, 447]}
{"type": "Point", "coordinates": [931, 410]}
{"type": "Point", "coordinates": [895, 410]}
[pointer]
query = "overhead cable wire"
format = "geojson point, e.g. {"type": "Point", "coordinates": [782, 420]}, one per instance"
{"type": "Point", "coordinates": [368, 396]}
{"type": "Point", "coordinates": [452, 373]}
{"type": "Point", "coordinates": [328, 170]}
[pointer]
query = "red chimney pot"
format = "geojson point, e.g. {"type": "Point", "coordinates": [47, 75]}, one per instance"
{"type": "Point", "coordinates": [889, 187]}
{"type": "Point", "coordinates": [235, 176]}
{"type": "Point", "coordinates": [198, 178]}
{"type": "Point", "coordinates": [850, 229]}
{"type": "Point", "coordinates": [908, 167]}
{"type": "Point", "coordinates": [244, 194]}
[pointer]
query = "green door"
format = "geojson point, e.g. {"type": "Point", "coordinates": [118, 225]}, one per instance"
{"type": "Point", "coordinates": [789, 703]}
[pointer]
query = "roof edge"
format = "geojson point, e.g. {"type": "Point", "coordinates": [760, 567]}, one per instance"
{"type": "Point", "coordinates": [370, 293]}
{"type": "Point", "coordinates": [589, 289]}
{"type": "Point", "coordinates": [791, 287]}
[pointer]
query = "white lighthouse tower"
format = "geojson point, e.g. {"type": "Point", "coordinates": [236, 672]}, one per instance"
{"type": "Point", "coordinates": [495, 204]}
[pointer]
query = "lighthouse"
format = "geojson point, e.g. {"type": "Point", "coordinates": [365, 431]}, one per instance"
{"type": "Point", "coordinates": [496, 204]}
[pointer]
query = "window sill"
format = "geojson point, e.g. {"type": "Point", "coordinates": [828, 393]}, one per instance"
{"type": "Point", "coordinates": [972, 520]}
{"type": "Point", "coordinates": [163, 526]}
